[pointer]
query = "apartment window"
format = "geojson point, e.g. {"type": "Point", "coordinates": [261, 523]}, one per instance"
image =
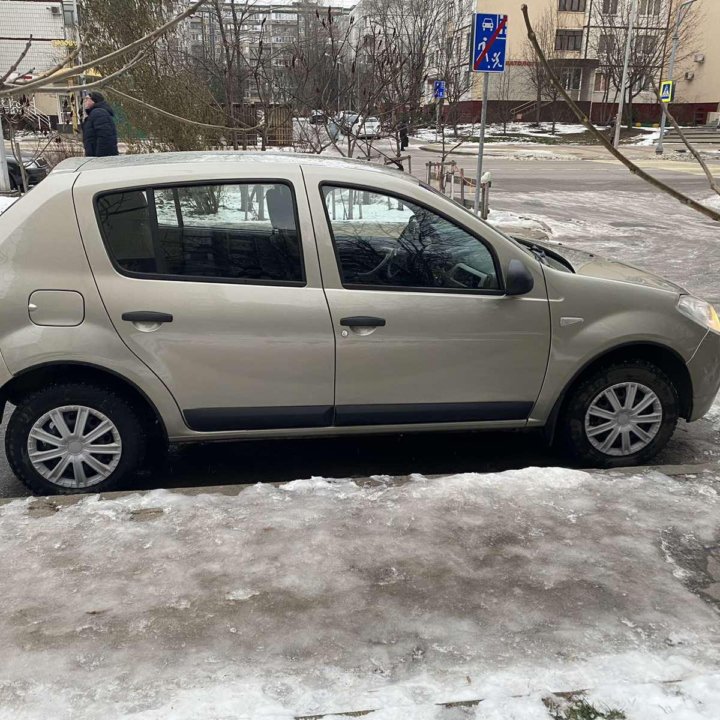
{"type": "Point", "coordinates": [650, 7]}
{"type": "Point", "coordinates": [643, 83]}
{"type": "Point", "coordinates": [571, 78]}
{"type": "Point", "coordinates": [610, 7]}
{"type": "Point", "coordinates": [571, 5]}
{"type": "Point", "coordinates": [602, 82]}
{"type": "Point", "coordinates": [606, 45]}
{"type": "Point", "coordinates": [570, 40]}
{"type": "Point", "coordinates": [647, 44]}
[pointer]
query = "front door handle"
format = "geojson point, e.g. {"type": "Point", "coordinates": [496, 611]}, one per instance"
{"type": "Point", "coordinates": [147, 316]}
{"type": "Point", "coordinates": [362, 321]}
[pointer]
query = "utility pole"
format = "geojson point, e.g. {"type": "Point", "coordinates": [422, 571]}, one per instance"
{"type": "Point", "coordinates": [4, 174]}
{"type": "Point", "coordinates": [628, 46]}
{"type": "Point", "coordinates": [682, 12]}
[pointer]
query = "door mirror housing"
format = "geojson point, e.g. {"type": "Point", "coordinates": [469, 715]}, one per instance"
{"type": "Point", "coordinates": [518, 279]}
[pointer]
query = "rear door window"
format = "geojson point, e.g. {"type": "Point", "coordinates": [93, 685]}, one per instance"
{"type": "Point", "coordinates": [241, 232]}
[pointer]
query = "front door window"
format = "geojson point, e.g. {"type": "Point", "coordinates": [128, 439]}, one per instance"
{"type": "Point", "coordinates": [386, 242]}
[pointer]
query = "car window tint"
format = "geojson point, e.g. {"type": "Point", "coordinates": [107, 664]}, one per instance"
{"type": "Point", "coordinates": [383, 241]}
{"type": "Point", "coordinates": [241, 231]}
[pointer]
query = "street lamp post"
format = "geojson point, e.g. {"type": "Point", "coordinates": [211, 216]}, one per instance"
{"type": "Point", "coordinates": [628, 46]}
{"type": "Point", "coordinates": [682, 12]}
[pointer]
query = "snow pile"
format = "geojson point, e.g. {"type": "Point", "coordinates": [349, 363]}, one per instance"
{"type": "Point", "coordinates": [6, 202]}
{"type": "Point", "coordinates": [514, 224]}
{"type": "Point", "coordinates": [327, 596]}
{"type": "Point", "coordinates": [651, 138]}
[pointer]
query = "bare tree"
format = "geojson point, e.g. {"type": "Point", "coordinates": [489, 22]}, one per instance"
{"type": "Point", "coordinates": [602, 140]}
{"type": "Point", "coordinates": [552, 42]}
{"type": "Point", "coordinates": [649, 47]}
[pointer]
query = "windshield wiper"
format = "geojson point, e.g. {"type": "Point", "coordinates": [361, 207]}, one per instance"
{"type": "Point", "coordinates": [539, 253]}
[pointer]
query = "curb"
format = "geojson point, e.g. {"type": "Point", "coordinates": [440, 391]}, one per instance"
{"type": "Point", "coordinates": [39, 505]}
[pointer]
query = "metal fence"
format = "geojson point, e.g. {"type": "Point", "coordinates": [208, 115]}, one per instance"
{"type": "Point", "coordinates": [451, 181]}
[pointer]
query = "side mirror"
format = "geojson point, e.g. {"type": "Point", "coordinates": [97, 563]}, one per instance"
{"type": "Point", "coordinates": [518, 279]}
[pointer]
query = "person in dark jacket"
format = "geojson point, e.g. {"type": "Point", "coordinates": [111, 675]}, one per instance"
{"type": "Point", "coordinates": [99, 132]}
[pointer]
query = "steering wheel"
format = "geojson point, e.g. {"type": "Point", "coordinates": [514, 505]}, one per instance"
{"type": "Point", "coordinates": [381, 266]}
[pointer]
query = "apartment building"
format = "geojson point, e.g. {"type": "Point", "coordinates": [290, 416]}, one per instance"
{"type": "Point", "coordinates": [268, 31]}
{"type": "Point", "coordinates": [585, 42]}
{"type": "Point", "coordinates": [53, 28]}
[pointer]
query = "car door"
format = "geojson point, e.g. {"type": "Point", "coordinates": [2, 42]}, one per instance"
{"type": "Point", "coordinates": [214, 284]}
{"type": "Point", "coordinates": [424, 331]}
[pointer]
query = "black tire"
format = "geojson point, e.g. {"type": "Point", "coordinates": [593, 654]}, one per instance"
{"type": "Point", "coordinates": [572, 433]}
{"type": "Point", "coordinates": [33, 407]}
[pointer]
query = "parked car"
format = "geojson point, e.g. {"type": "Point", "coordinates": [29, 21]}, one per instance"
{"type": "Point", "coordinates": [189, 297]}
{"type": "Point", "coordinates": [317, 117]}
{"type": "Point", "coordinates": [368, 128]}
{"type": "Point", "coordinates": [35, 168]}
{"type": "Point", "coordinates": [347, 122]}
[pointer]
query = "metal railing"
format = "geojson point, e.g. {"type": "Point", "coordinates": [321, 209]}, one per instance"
{"type": "Point", "coordinates": [452, 181]}
{"type": "Point", "coordinates": [12, 107]}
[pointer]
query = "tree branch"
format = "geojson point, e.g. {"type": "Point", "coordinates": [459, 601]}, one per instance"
{"type": "Point", "coordinates": [165, 113]}
{"type": "Point", "coordinates": [629, 164]}
{"type": "Point", "coordinates": [137, 44]}
{"type": "Point", "coordinates": [713, 183]}
{"type": "Point", "coordinates": [102, 81]}
{"type": "Point", "coordinates": [15, 65]}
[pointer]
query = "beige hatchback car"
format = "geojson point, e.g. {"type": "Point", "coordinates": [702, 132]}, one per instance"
{"type": "Point", "coordinates": [219, 296]}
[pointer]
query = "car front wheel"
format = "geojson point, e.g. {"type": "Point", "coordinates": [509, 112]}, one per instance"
{"type": "Point", "coordinates": [73, 438]}
{"type": "Point", "coordinates": [623, 414]}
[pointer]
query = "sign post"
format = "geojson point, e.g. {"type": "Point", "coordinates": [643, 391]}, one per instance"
{"type": "Point", "coordinates": [439, 92]}
{"type": "Point", "coordinates": [488, 56]}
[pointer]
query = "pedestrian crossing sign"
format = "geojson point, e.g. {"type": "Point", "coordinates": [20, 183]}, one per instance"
{"type": "Point", "coordinates": [667, 91]}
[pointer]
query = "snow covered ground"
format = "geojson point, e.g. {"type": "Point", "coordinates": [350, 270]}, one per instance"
{"type": "Point", "coordinates": [6, 202]}
{"type": "Point", "coordinates": [647, 136]}
{"type": "Point", "coordinates": [391, 596]}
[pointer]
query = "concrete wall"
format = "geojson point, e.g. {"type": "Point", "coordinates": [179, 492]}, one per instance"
{"type": "Point", "coordinates": [705, 85]}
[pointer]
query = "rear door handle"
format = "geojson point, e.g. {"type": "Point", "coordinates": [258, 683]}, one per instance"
{"type": "Point", "coordinates": [362, 321]}
{"type": "Point", "coordinates": [147, 316]}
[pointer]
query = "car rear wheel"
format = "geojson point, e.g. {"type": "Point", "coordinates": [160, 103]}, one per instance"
{"type": "Point", "coordinates": [623, 414]}
{"type": "Point", "coordinates": [74, 438]}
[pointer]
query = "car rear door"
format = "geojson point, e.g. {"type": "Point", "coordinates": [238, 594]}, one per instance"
{"type": "Point", "coordinates": [212, 280]}
{"type": "Point", "coordinates": [424, 330]}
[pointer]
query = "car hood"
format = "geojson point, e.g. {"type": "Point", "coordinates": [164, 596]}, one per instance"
{"type": "Point", "coordinates": [590, 265]}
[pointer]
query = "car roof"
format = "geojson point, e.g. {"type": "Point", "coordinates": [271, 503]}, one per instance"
{"type": "Point", "coordinates": [88, 164]}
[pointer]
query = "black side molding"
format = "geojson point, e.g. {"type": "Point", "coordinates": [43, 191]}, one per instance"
{"type": "Point", "coordinates": [259, 418]}
{"type": "Point", "coordinates": [430, 413]}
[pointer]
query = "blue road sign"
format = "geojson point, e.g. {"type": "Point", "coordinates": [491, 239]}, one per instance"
{"type": "Point", "coordinates": [489, 43]}
{"type": "Point", "coordinates": [439, 89]}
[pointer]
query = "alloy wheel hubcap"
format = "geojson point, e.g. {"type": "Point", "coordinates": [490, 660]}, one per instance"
{"type": "Point", "coordinates": [623, 419]}
{"type": "Point", "coordinates": [74, 446]}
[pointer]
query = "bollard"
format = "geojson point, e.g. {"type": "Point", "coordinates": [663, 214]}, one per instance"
{"type": "Point", "coordinates": [485, 185]}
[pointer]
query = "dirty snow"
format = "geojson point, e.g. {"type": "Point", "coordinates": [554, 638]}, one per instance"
{"type": "Point", "coordinates": [712, 202]}
{"type": "Point", "coordinates": [650, 231]}
{"type": "Point", "coordinates": [328, 596]}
